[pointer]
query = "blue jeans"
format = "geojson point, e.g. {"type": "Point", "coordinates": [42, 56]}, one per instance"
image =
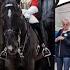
{"type": "Point", "coordinates": [61, 61]}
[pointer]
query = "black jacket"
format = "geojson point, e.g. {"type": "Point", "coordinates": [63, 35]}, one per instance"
{"type": "Point", "coordinates": [63, 47]}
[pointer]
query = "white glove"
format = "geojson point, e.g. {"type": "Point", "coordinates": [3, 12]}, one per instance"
{"type": "Point", "coordinates": [32, 10]}
{"type": "Point", "coordinates": [24, 11]}
{"type": "Point", "coordinates": [33, 19]}
{"type": "Point", "coordinates": [27, 15]}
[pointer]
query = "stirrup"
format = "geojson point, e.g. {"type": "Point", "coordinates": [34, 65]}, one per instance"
{"type": "Point", "coordinates": [38, 49]}
{"type": "Point", "coordinates": [45, 52]}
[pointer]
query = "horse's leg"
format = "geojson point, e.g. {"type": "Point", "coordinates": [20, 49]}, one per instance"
{"type": "Point", "coordinates": [2, 66]}
{"type": "Point", "coordinates": [31, 64]}
{"type": "Point", "coordinates": [9, 65]}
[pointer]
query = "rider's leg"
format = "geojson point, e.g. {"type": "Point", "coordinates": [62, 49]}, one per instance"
{"type": "Point", "coordinates": [36, 28]}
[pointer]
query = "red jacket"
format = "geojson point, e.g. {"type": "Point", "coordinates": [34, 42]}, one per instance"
{"type": "Point", "coordinates": [34, 3]}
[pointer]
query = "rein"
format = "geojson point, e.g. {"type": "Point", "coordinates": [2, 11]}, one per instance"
{"type": "Point", "coordinates": [25, 41]}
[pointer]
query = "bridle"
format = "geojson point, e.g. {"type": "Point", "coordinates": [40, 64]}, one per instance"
{"type": "Point", "coordinates": [8, 30]}
{"type": "Point", "coordinates": [11, 30]}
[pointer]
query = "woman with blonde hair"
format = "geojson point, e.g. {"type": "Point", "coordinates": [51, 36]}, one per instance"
{"type": "Point", "coordinates": [63, 46]}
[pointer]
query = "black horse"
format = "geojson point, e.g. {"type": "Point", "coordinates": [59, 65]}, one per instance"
{"type": "Point", "coordinates": [19, 40]}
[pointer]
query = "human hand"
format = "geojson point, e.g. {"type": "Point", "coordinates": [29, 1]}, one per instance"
{"type": "Point", "coordinates": [59, 38]}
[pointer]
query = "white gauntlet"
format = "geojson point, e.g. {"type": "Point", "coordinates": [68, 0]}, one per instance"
{"type": "Point", "coordinates": [32, 10]}
{"type": "Point", "coordinates": [29, 14]}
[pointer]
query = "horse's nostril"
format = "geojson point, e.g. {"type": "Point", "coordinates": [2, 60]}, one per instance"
{"type": "Point", "coordinates": [10, 47]}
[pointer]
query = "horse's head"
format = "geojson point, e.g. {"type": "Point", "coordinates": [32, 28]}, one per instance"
{"type": "Point", "coordinates": [11, 17]}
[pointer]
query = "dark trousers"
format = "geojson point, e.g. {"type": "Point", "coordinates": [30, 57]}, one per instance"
{"type": "Point", "coordinates": [61, 61]}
